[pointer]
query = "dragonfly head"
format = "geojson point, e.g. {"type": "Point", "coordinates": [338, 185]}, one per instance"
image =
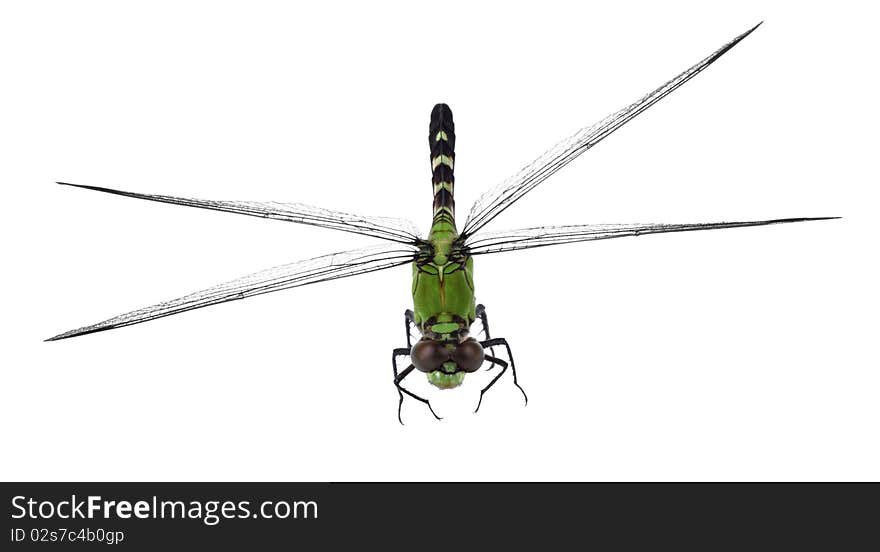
{"type": "Point", "coordinates": [445, 362]}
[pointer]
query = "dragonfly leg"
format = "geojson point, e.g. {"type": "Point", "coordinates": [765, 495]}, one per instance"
{"type": "Point", "coordinates": [484, 320]}
{"type": "Point", "coordinates": [494, 361]}
{"type": "Point", "coordinates": [394, 354]}
{"type": "Point", "coordinates": [481, 314]}
{"type": "Point", "coordinates": [398, 377]}
{"type": "Point", "coordinates": [409, 320]}
{"type": "Point", "coordinates": [500, 341]}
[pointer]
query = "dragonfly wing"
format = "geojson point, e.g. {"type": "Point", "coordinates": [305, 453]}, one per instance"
{"type": "Point", "coordinates": [496, 200]}
{"type": "Point", "coordinates": [541, 236]}
{"type": "Point", "coordinates": [392, 229]}
{"type": "Point", "coordinates": [300, 273]}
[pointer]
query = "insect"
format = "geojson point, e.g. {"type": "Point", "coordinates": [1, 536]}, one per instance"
{"type": "Point", "coordinates": [442, 263]}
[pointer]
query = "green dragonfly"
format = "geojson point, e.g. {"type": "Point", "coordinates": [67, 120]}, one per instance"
{"type": "Point", "coordinates": [444, 308]}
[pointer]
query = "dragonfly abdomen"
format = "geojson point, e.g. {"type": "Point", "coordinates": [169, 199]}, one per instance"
{"type": "Point", "coordinates": [441, 138]}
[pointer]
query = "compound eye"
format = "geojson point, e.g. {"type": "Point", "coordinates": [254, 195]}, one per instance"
{"type": "Point", "coordinates": [428, 356]}
{"type": "Point", "coordinates": [468, 355]}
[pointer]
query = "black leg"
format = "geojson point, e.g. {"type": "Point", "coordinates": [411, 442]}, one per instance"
{"type": "Point", "coordinates": [481, 314]}
{"type": "Point", "coordinates": [409, 320]}
{"type": "Point", "coordinates": [484, 320]}
{"type": "Point", "coordinates": [493, 360]}
{"type": "Point", "coordinates": [400, 389]}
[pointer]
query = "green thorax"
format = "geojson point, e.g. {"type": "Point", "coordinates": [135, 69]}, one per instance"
{"type": "Point", "coordinates": [443, 286]}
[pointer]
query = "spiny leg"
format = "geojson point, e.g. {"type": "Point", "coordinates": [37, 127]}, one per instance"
{"type": "Point", "coordinates": [400, 389]}
{"type": "Point", "coordinates": [501, 341]}
{"type": "Point", "coordinates": [481, 314]}
{"type": "Point", "coordinates": [484, 320]}
{"type": "Point", "coordinates": [394, 354]}
{"type": "Point", "coordinates": [494, 361]}
{"type": "Point", "coordinates": [409, 320]}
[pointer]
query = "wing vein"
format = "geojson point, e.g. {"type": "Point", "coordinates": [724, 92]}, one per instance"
{"type": "Point", "coordinates": [495, 201]}
{"type": "Point", "coordinates": [309, 271]}
{"type": "Point", "coordinates": [541, 236]}
{"type": "Point", "coordinates": [386, 228]}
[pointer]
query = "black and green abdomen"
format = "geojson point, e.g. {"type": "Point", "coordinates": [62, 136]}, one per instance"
{"type": "Point", "coordinates": [441, 139]}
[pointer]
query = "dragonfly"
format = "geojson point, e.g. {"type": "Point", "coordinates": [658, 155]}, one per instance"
{"type": "Point", "coordinates": [442, 263]}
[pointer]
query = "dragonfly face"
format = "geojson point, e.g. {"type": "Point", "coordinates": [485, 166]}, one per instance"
{"type": "Point", "coordinates": [446, 362]}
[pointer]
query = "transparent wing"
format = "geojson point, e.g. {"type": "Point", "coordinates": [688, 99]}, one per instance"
{"type": "Point", "coordinates": [541, 236]}
{"type": "Point", "coordinates": [300, 273]}
{"type": "Point", "coordinates": [392, 229]}
{"type": "Point", "coordinates": [496, 200]}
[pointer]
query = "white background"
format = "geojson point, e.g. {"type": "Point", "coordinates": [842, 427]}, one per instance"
{"type": "Point", "coordinates": [737, 355]}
